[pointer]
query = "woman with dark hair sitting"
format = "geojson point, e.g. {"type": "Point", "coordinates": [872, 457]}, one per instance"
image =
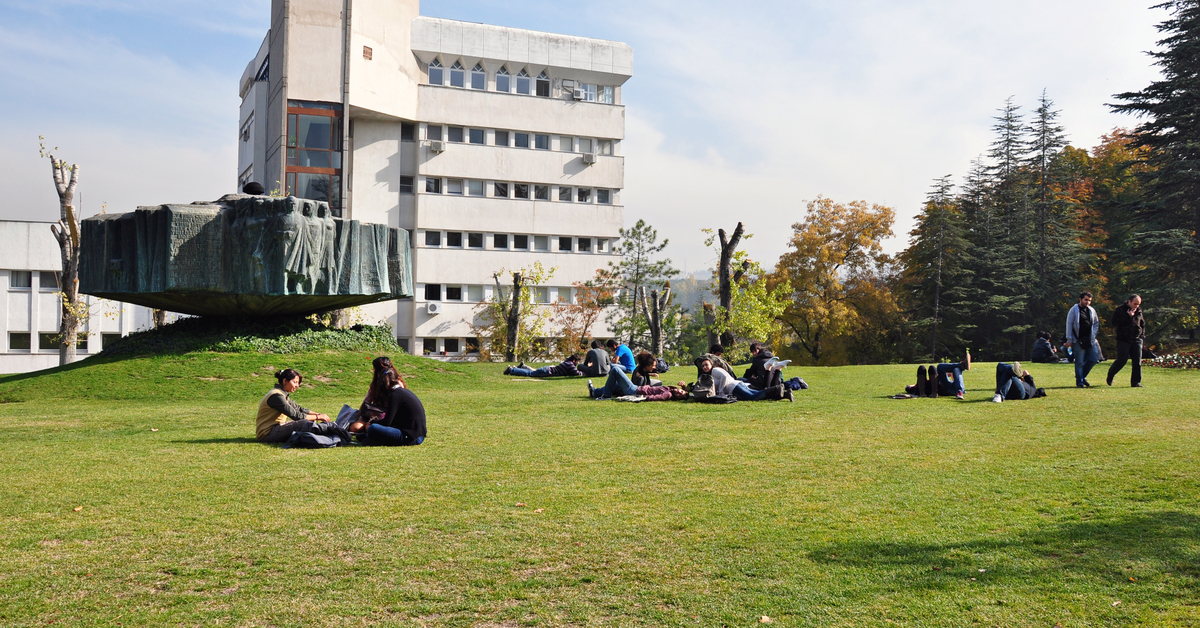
{"type": "Point", "coordinates": [398, 416]}
{"type": "Point", "coordinates": [279, 416]}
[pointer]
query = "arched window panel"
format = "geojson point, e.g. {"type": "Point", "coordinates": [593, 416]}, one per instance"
{"type": "Point", "coordinates": [503, 80]}
{"type": "Point", "coordinates": [457, 75]}
{"type": "Point", "coordinates": [436, 73]}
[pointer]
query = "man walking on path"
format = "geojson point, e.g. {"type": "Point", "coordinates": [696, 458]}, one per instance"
{"type": "Point", "coordinates": [1083, 325]}
{"type": "Point", "coordinates": [1131, 334]}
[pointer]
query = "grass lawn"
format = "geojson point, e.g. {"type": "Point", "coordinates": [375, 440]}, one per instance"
{"type": "Point", "coordinates": [134, 494]}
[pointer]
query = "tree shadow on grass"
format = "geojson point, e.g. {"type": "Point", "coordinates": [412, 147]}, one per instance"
{"type": "Point", "coordinates": [1102, 550]}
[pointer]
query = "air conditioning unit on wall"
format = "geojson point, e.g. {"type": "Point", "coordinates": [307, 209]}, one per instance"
{"type": "Point", "coordinates": [433, 308]}
{"type": "Point", "coordinates": [437, 146]}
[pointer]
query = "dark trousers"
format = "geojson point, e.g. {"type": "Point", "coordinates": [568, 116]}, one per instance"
{"type": "Point", "coordinates": [1132, 352]}
{"type": "Point", "coordinates": [282, 432]}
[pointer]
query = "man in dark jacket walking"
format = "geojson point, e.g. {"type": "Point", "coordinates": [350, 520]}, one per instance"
{"type": "Point", "coordinates": [1131, 334]}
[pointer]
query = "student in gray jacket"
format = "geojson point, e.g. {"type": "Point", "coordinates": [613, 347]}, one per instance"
{"type": "Point", "coordinates": [1083, 325]}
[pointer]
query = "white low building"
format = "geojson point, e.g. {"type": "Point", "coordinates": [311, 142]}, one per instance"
{"type": "Point", "coordinates": [30, 267]}
{"type": "Point", "coordinates": [495, 147]}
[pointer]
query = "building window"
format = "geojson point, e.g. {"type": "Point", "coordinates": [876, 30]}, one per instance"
{"type": "Point", "coordinates": [543, 85]}
{"type": "Point", "coordinates": [476, 136]}
{"type": "Point", "coordinates": [314, 151]}
{"type": "Point", "coordinates": [454, 186]}
{"type": "Point", "coordinates": [20, 279]}
{"type": "Point", "coordinates": [451, 345]}
{"type": "Point", "coordinates": [583, 195]}
{"type": "Point", "coordinates": [478, 77]}
{"type": "Point", "coordinates": [501, 138]}
{"type": "Point", "coordinates": [564, 194]}
{"type": "Point", "coordinates": [541, 142]}
{"type": "Point", "coordinates": [521, 242]}
{"type": "Point", "coordinates": [433, 186]}
{"type": "Point", "coordinates": [523, 82]}
{"type": "Point", "coordinates": [520, 190]}
{"type": "Point", "coordinates": [604, 147]}
{"type": "Point", "coordinates": [456, 75]}
{"type": "Point", "coordinates": [475, 294]}
{"type": "Point", "coordinates": [605, 94]}
{"type": "Point", "coordinates": [566, 143]}
{"type": "Point", "coordinates": [541, 243]}
{"type": "Point", "coordinates": [454, 133]}
{"type": "Point", "coordinates": [475, 240]}
{"type": "Point", "coordinates": [541, 192]}
{"type": "Point", "coordinates": [18, 341]}
{"type": "Point", "coordinates": [503, 80]}
{"type": "Point", "coordinates": [436, 73]}
{"type": "Point", "coordinates": [406, 184]}
{"type": "Point", "coordinates": [500, 190]}
{"type": "Point", "coordinates": [585, 144]}
{"type": "Point", "coordinates": [589, 91]}
{"type": "Point", "coordinates": [433, 292]}
{"type": "Point", "coordinates": [522, 140]}
{"type": "Point", "coordinates": [564, 244]}
{"type": "Point", "coordinates": [408, 131]}
{"type": "Point", "coordinates": [429, 345]}
{"type": "Point", "coordinates": [474, 188]}
{"type": "Point", "coordinates": [433, 132]}
{"type": "Point", "coordinates": [500, 241]}
{"type": "Point", "coordinates": [585, 245]}
{"type": "Point", "coordinates": [433, 238]}
{"type": "Point", "coordinates": [604, 197]}
{"type": "Point", "coordinates": [454, 293]}
{"type": "Point", "coordinates": [454, 238]}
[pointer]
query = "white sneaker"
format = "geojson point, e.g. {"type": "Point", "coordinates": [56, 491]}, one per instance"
{"type": "Point", "coordinates": [997, 398]}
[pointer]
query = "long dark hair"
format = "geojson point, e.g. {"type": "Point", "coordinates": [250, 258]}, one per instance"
{"type": "Point", "coordinates": [384, 378]}
{"type": "Point", "coordinates": [287, 375]}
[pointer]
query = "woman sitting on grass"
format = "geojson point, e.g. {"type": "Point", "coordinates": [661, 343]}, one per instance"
{"type": "Point", "coordinates": [619, 385]}
{"type": "Point", "coordinates": [279, 417]}
{"type": "Point", "coordinates": [568, 368]}
{"type": "Point", "coordinates": [403, 416]}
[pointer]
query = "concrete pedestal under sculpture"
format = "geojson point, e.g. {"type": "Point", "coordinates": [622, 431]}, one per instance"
{"type": "Point", "coordinates": [243, 256]}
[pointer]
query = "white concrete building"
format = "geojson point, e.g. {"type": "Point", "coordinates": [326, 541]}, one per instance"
{"type": "Point", "coordinates": [495, 147]}
{"type": "Point", "coordinates": [30, 267]}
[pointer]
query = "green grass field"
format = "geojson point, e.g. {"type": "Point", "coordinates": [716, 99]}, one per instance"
{"type": "Point", "coordinates": [134, 494]}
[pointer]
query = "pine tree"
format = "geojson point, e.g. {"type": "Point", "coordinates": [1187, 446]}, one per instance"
{"type": "Point", "coordinates": [1167, 240]}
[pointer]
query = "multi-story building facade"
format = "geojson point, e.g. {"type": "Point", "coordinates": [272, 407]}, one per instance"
{"type": "Point", "coordinates": [31, 303]}
{"type": "Point", "coordinates": [494, 147]}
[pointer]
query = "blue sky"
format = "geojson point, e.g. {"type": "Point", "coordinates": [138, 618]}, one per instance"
{"type": "Point", "coordinates": [735, 112]}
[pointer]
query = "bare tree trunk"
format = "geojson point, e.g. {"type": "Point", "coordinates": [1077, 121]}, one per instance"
{"type": "Point", "coordinates": [725, 269]}
{"type": "Point", "coordinates": [514, 320]}
{"type": "Point", "coordinates": [66, 231]}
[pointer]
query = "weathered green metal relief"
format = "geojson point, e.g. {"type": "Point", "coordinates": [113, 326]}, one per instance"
{"type": "Point", "coordinates": [243, 255]}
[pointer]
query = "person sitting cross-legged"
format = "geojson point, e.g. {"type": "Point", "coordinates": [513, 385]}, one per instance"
{"type": "Point", "coordinates": [568, 368]}
{"type": "Point", "coordinates": [1013, 383]}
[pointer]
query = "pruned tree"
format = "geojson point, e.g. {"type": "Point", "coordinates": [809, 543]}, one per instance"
{"type": "Point", "coordinates": [66, 232]}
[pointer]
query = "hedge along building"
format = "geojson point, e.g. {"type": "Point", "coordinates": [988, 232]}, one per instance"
{"type": "Point", "coordinates": [494, 147]}
{"type": "Point", "coordinates": [31, 303]}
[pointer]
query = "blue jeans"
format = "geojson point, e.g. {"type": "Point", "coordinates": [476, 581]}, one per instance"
{"type": "Point", "coordinates": [390, 436]}
{"type": "Point", "coordinates": [618, 385]}
{"type": "Point", "coordinates": [520, 372]}
{"type": "Point", "coordinates": [1085, 359]}
{"type": "Point", "coordinates": [744, 392]}
{"type": "Point", "coordinates": [952, 386]}
{"type": "Point", "coordinates": [1008, 385]}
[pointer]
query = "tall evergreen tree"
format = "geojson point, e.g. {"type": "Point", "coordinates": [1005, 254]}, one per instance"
{"type": "Point", "coordinates": [1167, 240]}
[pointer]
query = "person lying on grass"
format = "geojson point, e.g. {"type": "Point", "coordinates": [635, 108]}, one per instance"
{"type": "Point", "coordinates": [1013, 383]}
{"type": "Point", "coordinates": [568, 368]}
{"type": "Point", "coordinates": [725, 384]}
{"type": "Point", "coordinates": [390, 414]}
{"type": "Point", "coordinates": [619, 385]}
{"type": "Point", "coordinates": [279, 417]}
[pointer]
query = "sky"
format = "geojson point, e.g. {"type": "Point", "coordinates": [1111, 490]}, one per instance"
{"type": "Point", "coordinates": [735, 112]}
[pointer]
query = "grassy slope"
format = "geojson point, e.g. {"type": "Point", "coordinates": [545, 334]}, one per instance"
{"type": "Point", "coordinates": [845, 508]}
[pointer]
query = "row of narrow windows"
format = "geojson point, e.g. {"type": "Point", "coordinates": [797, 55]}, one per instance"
{"type": "Point", "coordinates": [521, 83]}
